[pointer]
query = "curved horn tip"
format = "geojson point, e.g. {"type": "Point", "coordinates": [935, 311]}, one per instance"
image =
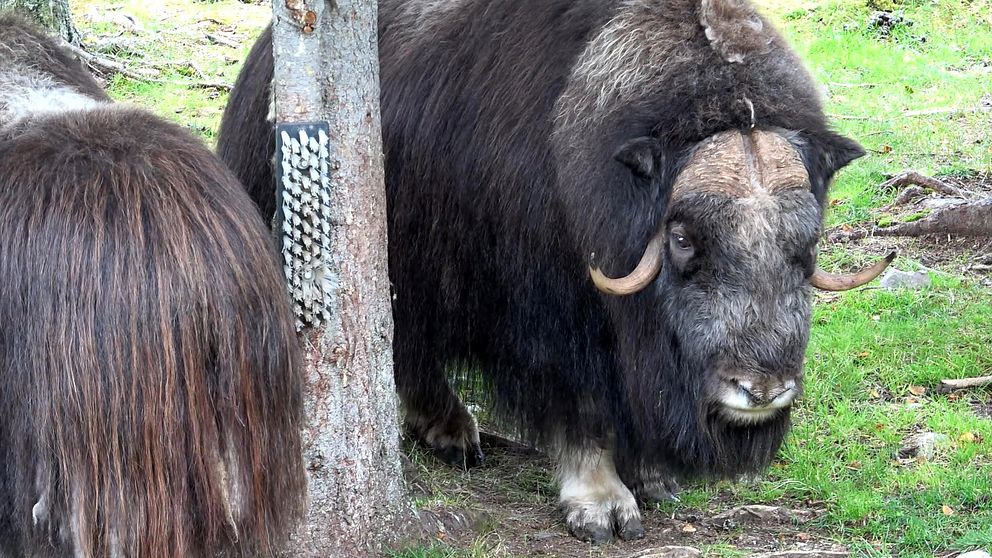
{"type": "Point", "coordinates": [602, 282]}
{"type": "Point", "coordinates": [845, 282]}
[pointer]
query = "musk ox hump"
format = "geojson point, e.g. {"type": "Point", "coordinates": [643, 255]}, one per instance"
{"type": "Point", "coordinates": [734, 29]}
{"type": "Point", "coordinates": [743, 164]}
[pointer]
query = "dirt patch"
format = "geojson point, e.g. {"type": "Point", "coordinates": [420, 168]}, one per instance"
{"type": "Point", "coordinates": [968, 256]}
{"type": "Point", "coordinates": [509, 506]}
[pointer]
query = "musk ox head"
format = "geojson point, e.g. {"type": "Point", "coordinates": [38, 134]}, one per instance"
{"type": "Point", "coordinates": [724, 293]}
{"type": "Point", "coordinates": [696, 148]}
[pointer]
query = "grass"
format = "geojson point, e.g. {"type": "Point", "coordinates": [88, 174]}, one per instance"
{"type": "Point", "coordinates": [875, 82]}
{"type": "Point", "coordinates": [871, 351]}
{"type": "Point", "coordinates": [172, 39]}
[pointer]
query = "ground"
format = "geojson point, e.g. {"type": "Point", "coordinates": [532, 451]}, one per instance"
{"type": "Point", "coordinates": [915, 88]}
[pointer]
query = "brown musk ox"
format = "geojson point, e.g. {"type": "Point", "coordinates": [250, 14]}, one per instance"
{"type": "Point", "coordinates": [150, 385]}
{"type": "Point", "coordinates": [535, 148]}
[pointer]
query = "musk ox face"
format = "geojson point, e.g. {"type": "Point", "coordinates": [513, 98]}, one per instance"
{"type": "Point", "coordinates": [741, 230]}
{"type": "Point", "coordinates": [721, 317]}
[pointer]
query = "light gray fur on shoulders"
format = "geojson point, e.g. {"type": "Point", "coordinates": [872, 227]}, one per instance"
{"type": "Point", "coordinates": [645, 41]}
{"type": "Point", "coordinates": [25, 93]}
{"type": "Point", "coordinates": [734, 28]}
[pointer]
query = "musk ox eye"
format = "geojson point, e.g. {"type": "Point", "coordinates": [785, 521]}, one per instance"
{"type": "Point", "coordinates": [681, 247]}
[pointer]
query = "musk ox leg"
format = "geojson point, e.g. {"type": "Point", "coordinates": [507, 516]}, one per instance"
{"type": "Point", "coordinates": [594, 500]}
{"type": "Point", "coordinates": [435, 416]}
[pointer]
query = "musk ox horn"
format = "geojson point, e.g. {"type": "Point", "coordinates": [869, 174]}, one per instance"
{"type": "Point", "coordinates": [645, 272]}
{"type": "Point", "coordinates": [845, 282]}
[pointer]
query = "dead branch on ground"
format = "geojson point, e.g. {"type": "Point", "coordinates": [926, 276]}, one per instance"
{"type": "Point", "coordinates": [947, 386]}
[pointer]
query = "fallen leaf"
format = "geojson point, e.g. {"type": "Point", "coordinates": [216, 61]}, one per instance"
{"type": "Point", "coordinates": [854, 465]}
{"type": "Point", "coordinates": [968, 438]}
{"type": "Point", "coordinates": [863, 354]}
{"type": "Point", "coordinates": [912, 401]}
{"type": "Point", "coordinates": [947, 510]}
{"type": "Point", "coordinates": [917, 390]}
{"type": "Point", "coordinates": [875, 394]}
{"type": "Point", "coordinates": [688, 528]}
{"type": "Point", "coordinates": [804, 536]}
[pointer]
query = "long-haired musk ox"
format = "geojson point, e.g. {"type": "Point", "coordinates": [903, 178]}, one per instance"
{"type": "Point", "coordinates": [150, 393]}
{"type": "Point", "coordinates": [537, 148]}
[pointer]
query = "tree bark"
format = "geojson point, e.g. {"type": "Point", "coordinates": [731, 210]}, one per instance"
{"type": "Point", "coordinates": [327, 70]}
{"type": "Point", "coordinates": [51, 14]}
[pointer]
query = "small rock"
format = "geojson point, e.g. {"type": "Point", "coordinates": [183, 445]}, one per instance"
{"type": "Point", "coordinates": [668, 552]}
{"type": "Point", "coordinates": [924, 444]}
{"type": "Point", "coordinates": [895, 279]}
{"type": "Point", "coordinates": [975, 554]}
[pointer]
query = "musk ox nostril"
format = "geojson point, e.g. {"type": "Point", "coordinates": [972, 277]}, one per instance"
{"type": "Point", "coordinates": [756, 398]}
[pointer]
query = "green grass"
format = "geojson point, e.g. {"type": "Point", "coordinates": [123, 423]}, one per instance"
{"type": "Point", "coordinates": [942, 61]}
{"type": "Point", "coordinates": [868, 348]}
{"type": "Point", "coordinates": [173, 40]}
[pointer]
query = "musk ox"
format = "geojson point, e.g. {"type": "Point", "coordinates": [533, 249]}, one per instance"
{"type": "Point", "coordinates": [536, 148]}
{"type": "Point", "coordinates": [150, 389]}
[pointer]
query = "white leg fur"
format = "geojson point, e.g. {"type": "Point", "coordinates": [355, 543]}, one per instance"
{"type": "Point", "coordinates": [593, 498]}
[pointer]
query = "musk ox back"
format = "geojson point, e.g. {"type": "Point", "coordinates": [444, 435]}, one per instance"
{"type": "Point", "coordinates": [150, 395]}
{"type": "Point", "coordinates": [537, 148]}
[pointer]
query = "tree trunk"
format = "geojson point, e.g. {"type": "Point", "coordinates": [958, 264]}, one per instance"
{"type": "Point", "coordinates": [51, 14]}
{"type": "Point", "coordinates": [327, 78]}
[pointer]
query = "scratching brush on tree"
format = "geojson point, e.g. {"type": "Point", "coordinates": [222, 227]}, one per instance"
{"type": "Point", "coordinates": [304, 196]}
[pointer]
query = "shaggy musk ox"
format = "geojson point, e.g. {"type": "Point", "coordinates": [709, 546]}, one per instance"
{"type": "Point", "coordinates": [536, 148]}
{"type": "Point", "coordinates": [150, 393]}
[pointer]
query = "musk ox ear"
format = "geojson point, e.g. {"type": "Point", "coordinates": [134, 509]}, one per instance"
{"type": "Point", "coordinates": [825, 154]}
{"type": "Point", "coordinates": [642, 156]}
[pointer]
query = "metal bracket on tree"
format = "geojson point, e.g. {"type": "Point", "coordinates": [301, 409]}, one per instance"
{"type": "Point", "coordinates": [304, 196]}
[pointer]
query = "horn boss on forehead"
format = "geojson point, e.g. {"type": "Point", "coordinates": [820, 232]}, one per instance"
{"type": "Point", "coordinates": [737, 165]}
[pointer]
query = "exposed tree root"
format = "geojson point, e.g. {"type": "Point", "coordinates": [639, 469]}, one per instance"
{"type": "Point", "coordinates": [915, 180]}
{"type": "Point", "coordinates": [962, 216]}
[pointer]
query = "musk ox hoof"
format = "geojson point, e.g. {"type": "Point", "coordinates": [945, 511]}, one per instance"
{"type": "Point", "coordinates": [594, 500]}
{"type": "Point", "coordinates": [596, 534]}
{"type": "Point", "coordinates": [454, 438]}
{"type": "Point", "coordinates": [599, 525]}
{"type": "Point", "coordinates": [632, 530]}
{"type": "Point", "coordinates": [658, 491]}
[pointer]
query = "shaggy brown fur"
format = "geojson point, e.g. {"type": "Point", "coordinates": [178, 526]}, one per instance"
{"type": "Point", "coordinates": [150, 395]}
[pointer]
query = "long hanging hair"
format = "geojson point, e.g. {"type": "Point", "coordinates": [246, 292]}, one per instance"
{"type": "Point", "coordinates": [150, 386]}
